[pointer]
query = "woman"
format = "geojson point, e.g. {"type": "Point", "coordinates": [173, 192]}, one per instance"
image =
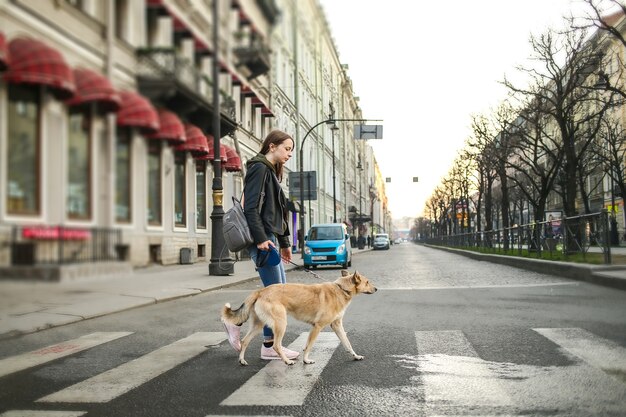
{"type": "Point", "coordinates": [269, 227]}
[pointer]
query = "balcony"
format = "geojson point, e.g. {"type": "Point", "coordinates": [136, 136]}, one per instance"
{"type": "Point", "coordinates": [172, 81]}
{"type": "Point", "coordinates": [253, 58]}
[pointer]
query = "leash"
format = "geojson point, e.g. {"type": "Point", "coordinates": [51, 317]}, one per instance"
{"type": "Point", "coordinates": [304, 269]}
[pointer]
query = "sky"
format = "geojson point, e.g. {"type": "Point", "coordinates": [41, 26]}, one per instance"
{"type": "Point", "coordinates": [426, 67]}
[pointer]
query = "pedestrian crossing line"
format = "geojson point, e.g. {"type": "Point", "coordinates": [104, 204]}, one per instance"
{"type": "Point", "coordinates": [278, 384]}
{"type": "Point", "coordinates": [453, 375]}
{"type": "Point", "coordinates": [49, 353]}
{"type": "Point", "coordinates": [596, 351]}
{"type": "Point", "coordinates": [108, 385]}
{"type": "Point", "coordinates": [42, 413]}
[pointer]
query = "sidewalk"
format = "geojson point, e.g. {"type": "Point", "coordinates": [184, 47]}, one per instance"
{"type": "Point", "coordinates": [27, 307]}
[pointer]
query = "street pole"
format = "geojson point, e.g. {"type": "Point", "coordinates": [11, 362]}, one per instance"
{"type": "Point", "coordinates": [332, 130]}
{"type": "Point", "coordinates": [301, 167]}
{"type": "Point", "coordinates": [218, 265]}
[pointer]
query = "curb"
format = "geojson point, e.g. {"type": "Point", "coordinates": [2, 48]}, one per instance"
{"type": "Point", "coordinates": [594, 274]}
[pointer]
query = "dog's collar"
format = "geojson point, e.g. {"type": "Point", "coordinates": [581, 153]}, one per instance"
{"type": "Point", "coordinates": [343, 289]}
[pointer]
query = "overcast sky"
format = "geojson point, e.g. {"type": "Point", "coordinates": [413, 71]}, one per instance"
{"type": "Point", "coordinates": [425, 67]}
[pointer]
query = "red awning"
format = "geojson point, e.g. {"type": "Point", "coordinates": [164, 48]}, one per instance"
{"type": "Point", "coordinates": [94, 87]}
{"type": "Point", "coordinates": [196, 142]}
{"type": "Point", "coordinates": [4, 53]}
{"type": "Point", "coordinates": [247, 91]}
{"type": "Point", "coordinates": [266, 112]}
{"type": "Point", "coordinates": [170, 128]}
{"type": "Point", "coordinates": [211, 154]}
{"type": "Point", "coordinates": [136, 111]}
{"type": "Point", "coordinates": [233, 162]}
{"type": "Point", "coordinates": [34, 62]}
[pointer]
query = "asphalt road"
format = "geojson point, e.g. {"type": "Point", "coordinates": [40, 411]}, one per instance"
{"type": "Point", "coordinates": [444, 335]}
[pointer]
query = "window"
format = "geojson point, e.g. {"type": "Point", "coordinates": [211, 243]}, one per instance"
{"type": "Point", "coordinates": [154, 184]}
{"type": "Point", "coordinates": [180, 219]}
{"type": "Point", "coordinates": [201, 194]}
{"type": "Point", "coordinates": [121, 19]}
{"type": "Point", "coordinates": [122, 176]}
{"type": "Point", "coordinates": [79, 171]}
{"type": "Point", "coordinates": [23, 150]}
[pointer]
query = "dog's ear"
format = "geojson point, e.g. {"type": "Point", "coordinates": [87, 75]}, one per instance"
{"type": "Point", "coordinates": [356, 278]}
{"type": "Point", "coordinates": [345, 273]}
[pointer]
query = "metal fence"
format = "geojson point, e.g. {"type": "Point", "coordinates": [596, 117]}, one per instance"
{"type": "Point", "coordinates": [566, 237]}
{"type": "Point", "coordinates": [40, 245]}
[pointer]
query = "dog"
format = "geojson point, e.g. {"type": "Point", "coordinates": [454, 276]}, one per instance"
{"type": "Point", "coordinates": [319, 305]}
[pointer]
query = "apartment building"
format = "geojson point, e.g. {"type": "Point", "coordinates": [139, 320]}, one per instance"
{"type": "Point", "coordinates": [106, 122]}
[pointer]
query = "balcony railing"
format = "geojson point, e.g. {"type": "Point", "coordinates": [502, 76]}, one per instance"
{"type": "Point", "coordinates": [45, 245]}
{"type": "Point", "coordinates": [255, 56]}
{"type": "Point", "coordinates": [165, 65]}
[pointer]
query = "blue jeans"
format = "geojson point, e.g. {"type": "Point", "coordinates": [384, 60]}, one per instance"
{"type": "Point", "coordinates": [269, 275]}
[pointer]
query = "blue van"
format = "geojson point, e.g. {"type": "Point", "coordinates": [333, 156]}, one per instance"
{"type": "Point", "coordinates": [327, 244]}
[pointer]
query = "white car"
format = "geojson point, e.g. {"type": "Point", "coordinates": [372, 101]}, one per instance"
{"type": "Point", "coordinates": [381, 241]}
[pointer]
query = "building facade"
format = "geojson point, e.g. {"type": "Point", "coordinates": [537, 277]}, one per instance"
{"type": "Point", "coordinates": [106, 122]}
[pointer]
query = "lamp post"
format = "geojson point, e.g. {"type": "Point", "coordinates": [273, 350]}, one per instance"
{"type": "Point", "coordinates": [218, 266]}
{"type": "Point", "coordinates": [360, 243]}
{"type": "Point", "coordinates": [333, 128]}
{"type": "Point", "coordinates": [329, 121]}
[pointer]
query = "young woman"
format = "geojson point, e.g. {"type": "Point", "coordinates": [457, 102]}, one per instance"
{"type": "Point", "coordinates": [269, 227]}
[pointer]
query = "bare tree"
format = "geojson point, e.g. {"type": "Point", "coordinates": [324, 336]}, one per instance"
{"type": "Point", "coordinates": [563, 92]}
{"type": "Point", "coordinates": [480, 149]}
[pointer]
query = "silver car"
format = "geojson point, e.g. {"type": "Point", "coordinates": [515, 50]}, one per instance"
{"type": "Point", "coordinates": [381, 241]}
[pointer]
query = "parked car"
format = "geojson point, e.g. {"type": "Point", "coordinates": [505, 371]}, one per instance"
{"type": "Point", "coordinates": [327, 244]}
{"type": "Point", "coordinates": [381, 241]}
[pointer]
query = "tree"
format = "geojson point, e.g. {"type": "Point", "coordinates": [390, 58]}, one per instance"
{"type": "Point", "coordinates": [561, 89]}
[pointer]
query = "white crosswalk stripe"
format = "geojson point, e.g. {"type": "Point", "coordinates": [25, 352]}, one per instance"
{"type": "Point", "coordinates": [454, 379]}
{"type": "Point", "coordinates": [49, 353]}
{"type": "Point", "coordinates": [596, 351]}
{"type": "Point", "coordinates": [280, 385]}
{"type": "Point", "coordinates": [453, 374]}
{"type": "Point", "coordinates": [42, 413]}
{"type": "Point", "coordinates": [117, 381]}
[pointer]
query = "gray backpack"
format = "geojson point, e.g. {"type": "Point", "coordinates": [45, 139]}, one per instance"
{"type": "Point", "coordinates": [235, 226]}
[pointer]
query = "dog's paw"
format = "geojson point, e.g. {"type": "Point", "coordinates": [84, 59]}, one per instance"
{"type": "Point", "coordinates": [309, 361]}
{"type": "Point", "coordinates": [289, 362]}
{"type": "Point", "coordinates": [243, 362]}
{"type": "Point", "coordinates": [358, 357]}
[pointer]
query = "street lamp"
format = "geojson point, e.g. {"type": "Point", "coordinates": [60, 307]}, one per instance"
{"type": "Point", "coordinates": [329, 121]}
{"type": "Point", "coordinates": [360, 217]}
{"type": "Point", "coordinates": [218, 266]}
{"type": "Point", "coordinates": [333, 128]}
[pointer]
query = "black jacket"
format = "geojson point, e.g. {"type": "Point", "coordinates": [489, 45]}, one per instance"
{"type": "Point", "coordinates": [273, 217]}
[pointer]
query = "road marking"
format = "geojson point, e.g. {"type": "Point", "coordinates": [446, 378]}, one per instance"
{"type": "Point", "coordinates": [117, 381]}
{"type": "Point", "coordinates": [42, 413]}
{"type": "Point", "coordinates": [474, 287]}
{"type": "Point", "coordinates": [278, 384]}
{"type": "Point", "coordinates": [49, 353]}
{"type": "Point", "coordinates": [596, 351]}
{"type": "Point", "coordinates": [454, 376]}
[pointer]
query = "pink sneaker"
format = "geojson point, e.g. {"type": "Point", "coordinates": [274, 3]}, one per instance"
{"type": "Point", "coordinates": [268, 353]}
{"type": "Point", "coordinates": [233, 331]}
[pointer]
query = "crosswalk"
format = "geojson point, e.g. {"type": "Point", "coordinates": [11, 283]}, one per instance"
{"type": "Point", "coordinates": [449, 375]}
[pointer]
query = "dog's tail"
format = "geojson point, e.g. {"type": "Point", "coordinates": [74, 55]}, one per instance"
{"type": "Point", "coordinates": [240, 315]}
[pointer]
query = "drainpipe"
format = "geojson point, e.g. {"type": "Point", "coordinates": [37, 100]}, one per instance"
{"type": "Point", "coordinates": [109, 212]}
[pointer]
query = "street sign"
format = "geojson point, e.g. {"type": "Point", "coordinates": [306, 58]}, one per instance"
{"type": "Point", "coordinates": [366, 132]}
{"type": "Point", "coordinates": [310, 185]}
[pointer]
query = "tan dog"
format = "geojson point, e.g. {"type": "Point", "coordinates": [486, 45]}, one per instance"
{"type": "Point", "coordinates": [316, 304]}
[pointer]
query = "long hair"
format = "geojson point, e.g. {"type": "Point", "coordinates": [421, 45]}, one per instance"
{"type": "Point", "coordinates": [276, 137]}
